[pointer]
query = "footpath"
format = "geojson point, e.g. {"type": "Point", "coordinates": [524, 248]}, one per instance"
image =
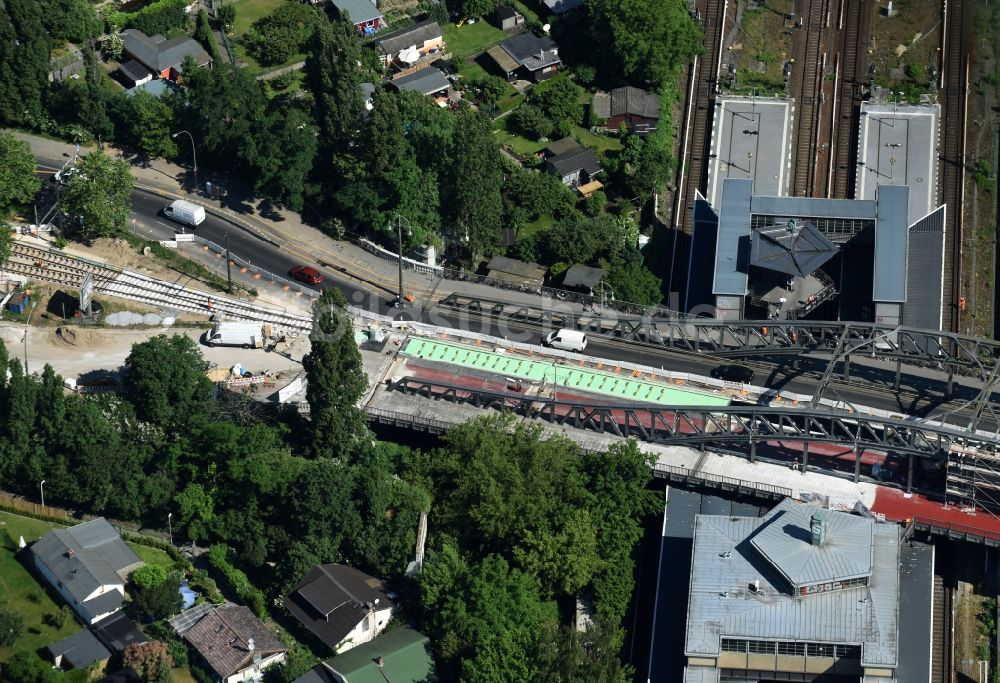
{"type": "Point", "coordinates": [286, 230]}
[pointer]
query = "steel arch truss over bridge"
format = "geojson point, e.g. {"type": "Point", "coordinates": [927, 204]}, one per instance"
{"type": "Point", "coordinates": [952, 352]}
{"type": "Point", "coordinates": [971, 459]}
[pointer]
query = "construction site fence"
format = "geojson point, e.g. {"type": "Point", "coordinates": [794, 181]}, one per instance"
{"type": "Point", "coordinates": [244, 263]}
{"type": "Point", "coordinates": [550, 292]}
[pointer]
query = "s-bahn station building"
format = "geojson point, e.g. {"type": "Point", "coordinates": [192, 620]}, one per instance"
{"type": "Point", "coordinates": [757, 253]}
{"type": "Point", "coordinates": [803, 594]}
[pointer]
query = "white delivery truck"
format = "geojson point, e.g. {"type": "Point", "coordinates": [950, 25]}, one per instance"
{"type": "Point", "coordinates": [185, 212]}
{"type": "Point", "coordinates": [245, 333]}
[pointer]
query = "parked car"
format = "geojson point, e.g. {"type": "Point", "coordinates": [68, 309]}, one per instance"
{"type": "Point", "coordinates": [733, 373]}
{"type": "Point", "coordinates": [306, 274]}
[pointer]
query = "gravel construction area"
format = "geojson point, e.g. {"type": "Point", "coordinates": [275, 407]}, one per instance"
{"type": "Point", "coordinates": [73, 351]}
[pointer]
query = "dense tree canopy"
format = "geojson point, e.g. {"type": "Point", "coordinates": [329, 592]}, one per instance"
{"type": "Point", "coordinates": [18, 181]}
{"type": "Point", "coordinates": [73, 20]}
{"type": "Point", "coordinates": [100, 195]}
{"type": "Point", "coordinates": [274, 38]}
{"type": "Point", "coordinates": [646, 41]}
{"type": "Point", "coordinates": [24, 62]}
{"type": "Point", "coordinates": [335, 379]}
{"type": "Point", "coordinates": [165, 381]}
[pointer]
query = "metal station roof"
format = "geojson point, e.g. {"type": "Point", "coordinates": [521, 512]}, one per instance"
{"type": "Point", "coordinates": [812, 207]}
{"type": "Point", "coordinates": [891, 242]}
{"type": "Point", "coordinates": [785, 542]}
{"type": "Point", "coordinates": [796, 248]}
{"type": "Point", "coordinates": [721, 604]}
{"type": "Point", "coordinates": [925, 257]}
{"type": "Point", "coordinates": [732, 242]}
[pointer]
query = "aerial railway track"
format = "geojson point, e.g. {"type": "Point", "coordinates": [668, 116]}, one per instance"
{"type": "Point", "coordinates": [37, 263]}
{"type": "Point", "coordinates": [850, 74]}
{"type": "Point", "coordinates": [809, 103]}
{"type": "Point", "coordinates": [958, 18]}
{"type": "Point", "coordinates": [696, 130]}
{"type": "Point", "coordinates": [943, 625]}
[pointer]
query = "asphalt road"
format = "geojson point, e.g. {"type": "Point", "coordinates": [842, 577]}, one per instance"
{"type": "Point", "coordinates": [921, 396]}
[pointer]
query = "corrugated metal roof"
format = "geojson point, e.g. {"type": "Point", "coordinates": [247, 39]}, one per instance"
{"type": "Point", "coordinates": [360, 11]}
{"type": "Point", "coordinates": [809, 207]}
{"type": "Point", "coordinates": [924, 290]}
{"type": "Point", "coordinates": [417, 34]}
{"type": "Point", "coordinates": [916, 591]}
{"type": "Point", "coordinates": [786, 543]}
{"type": "Point", "coordinates": [506, 63]}
{"type": "Point", "coordinates": [891, 241]}
{"type": "Point", "coordinates": [721, 602]}
{"type": "Point", "coordinates": [425, 81]}
{"type": "Point", "coordinates": [732, 245]}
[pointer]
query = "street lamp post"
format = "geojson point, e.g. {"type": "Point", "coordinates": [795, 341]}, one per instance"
{"type": "Point", "coordinates": [399, 233]}
{"type": "Point", "coordinates": [170, 527]}
{"type": "Point", "coordinates": [603, 290]}
{"type": "Point", "coordinates": [41, 487]}
{"type": "Point", "coordinates": [194, 155]}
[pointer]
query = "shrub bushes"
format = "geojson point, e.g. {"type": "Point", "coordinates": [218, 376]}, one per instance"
{"type": "Point", "coordinates": [161, 16]}
{"type": "Point", "coordinates": [238, 581]}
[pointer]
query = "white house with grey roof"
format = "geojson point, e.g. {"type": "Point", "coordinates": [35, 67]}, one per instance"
{"type": "Point", "coordinates": [801, 594]}
{"type": "Point", "coordinates": [88, 565]}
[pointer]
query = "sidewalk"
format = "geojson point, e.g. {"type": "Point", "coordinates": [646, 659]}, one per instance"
{"type": "Point", "coordinates": [285, 229]}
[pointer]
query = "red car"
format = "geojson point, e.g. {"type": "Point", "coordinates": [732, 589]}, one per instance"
{"type": "Point", "coordinates": [310, 276]}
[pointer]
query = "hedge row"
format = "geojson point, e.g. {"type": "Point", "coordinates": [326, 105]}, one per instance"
{"type": "Point", "coordinates": [238, 581]}
{"type": "Point", "coordinates": [161, 16]}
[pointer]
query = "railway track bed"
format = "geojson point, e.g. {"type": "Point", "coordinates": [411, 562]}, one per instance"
{"type": "Point", "coordinates": [37, 263]}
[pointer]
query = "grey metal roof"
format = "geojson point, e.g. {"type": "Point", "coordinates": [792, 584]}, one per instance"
{"type": "Point", "coordinates": [635, 101]}
{"type": "Point", "coordinates": [925, 258]}
{"type": "Point", "coordinates": [360, 11]}
{"type": "Point", "coordinates": [118, 632]}
{"type": "Point", "coordinates": [531, 51]}
{"type": "Point", "coordinates": [579, 275]}
{"type": "Point", "coordinates": [104, 603]}
{"type": "Point", "coordinates": [579, 159]}
{"type": "Point", "coordinates": [505, 12]}
{"type": "Point", "coordinates": [425, 81]}
{"type": "Point", "coordinates": [722, 604]}
{"type": "Point", "coordinates": [80, 650]}
{"type": "Point", "coordinates": [561, 146]}
{"type": "Point", "coordinates": [160, 55]}
{"type": "Point", "coordinates": [810, 207]}
{"type": "Point", "coordinates": [796, 248]}
{"type": "Point", "coordinates": [916, 592]}
{"type": "Point", "coordinates": [134, 71]}
{"type": "Point", "coordinates": [86, 556]}
{"type": "Point", "coordinates": [417, 34]}
{"type": "Point", "coordinates": [891, 241]}
{"type": "Point", "coordinates": [785, 542]}
{"type": "Point", "coordinates": [732, 244]}
{"type": "Point", "coordinates": [522, 269]}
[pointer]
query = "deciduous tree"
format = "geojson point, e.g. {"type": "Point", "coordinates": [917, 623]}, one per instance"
{"type": "Point", "coordinates": [18, 181]}
{"type": "Point", "coordinates": [11, 627]}
{"type": "Point", "coordinates": [165, 381]}
{"type": "Point", "coordinates": [644, 41]}
{"type": "Point", "coordinates": [100, 195]}
{"type": "Point", "coordinates": [147, 122]}
{"type": "Point", "coordinates": [281, 153]}
{"type": "Point", "coordinates": [147, 659]}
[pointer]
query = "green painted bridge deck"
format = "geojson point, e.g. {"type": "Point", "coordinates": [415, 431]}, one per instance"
{"type": "Point", "coordinates": [579, 378]}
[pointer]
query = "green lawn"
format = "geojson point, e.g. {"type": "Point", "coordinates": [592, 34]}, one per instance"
{"type": "Point", "coordinates": [249, 11]}
{"type": "Point", "coordinates": [153, 556]}
{"type": "Point", "coordinates": [20, 592]}
{"type": "Point", "coordinates": [599, 143]}
{"type": "Point", "coordinates": [466, 40]}
{"type": "Point", "coordinates": [519, 144]}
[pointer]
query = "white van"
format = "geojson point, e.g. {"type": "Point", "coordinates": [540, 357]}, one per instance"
{"type": "Point", "coordinates": [246, 333]}
{"type": "Point", "coordinates": [567, 340]}
{"type": "Point", "coordinates": [185, 212]}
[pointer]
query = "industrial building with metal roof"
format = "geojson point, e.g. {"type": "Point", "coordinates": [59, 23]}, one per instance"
{"type": "Point", "coordinates": [764, 256]}
{"type": "Point", "coordinates": [801, 593]}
